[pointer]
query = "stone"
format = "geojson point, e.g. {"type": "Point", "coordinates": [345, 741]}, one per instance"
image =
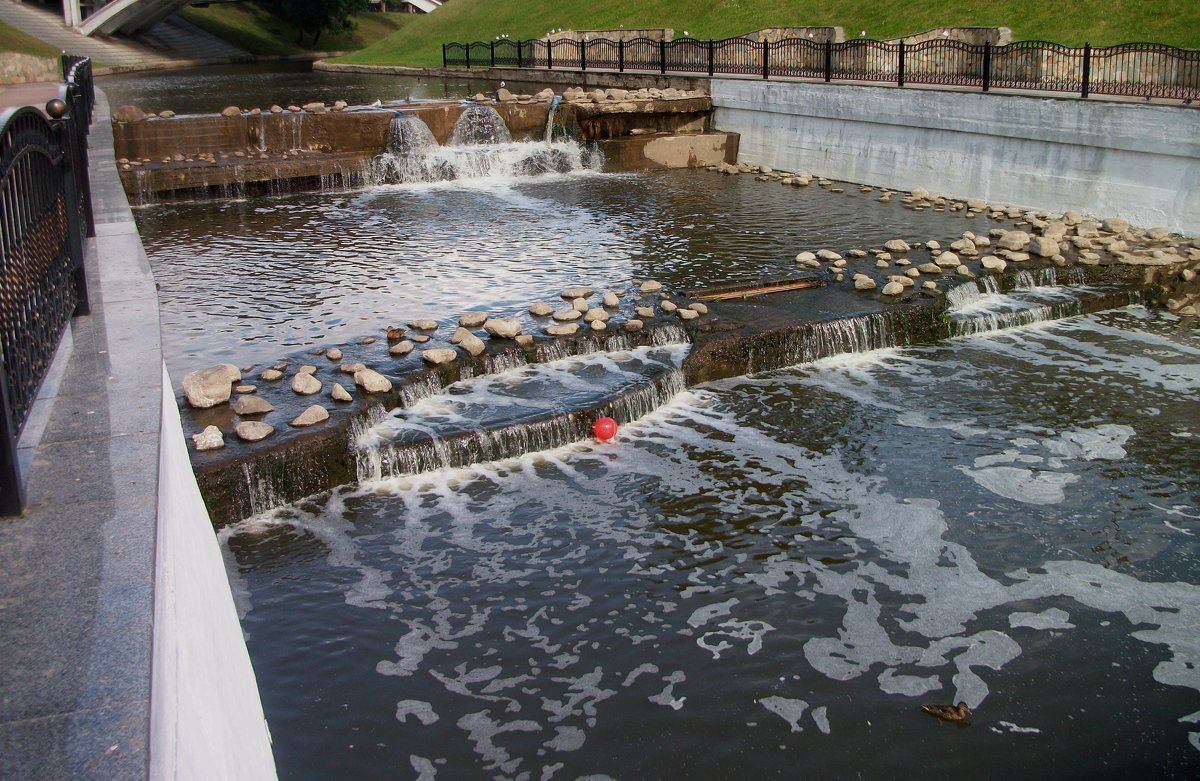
{"type": "Point", "coordinates": [857, 253]}
{"type": "Point", "coordinates": [611, 300]}
{"type": "Point", "coordinates": [863, 282]}
{"type": "Point", "coordinates": [562, 330]}
{"type": "Point", "coordinates": [459, 334]}
{"type": "Point", "coordinates": [827, 254]}
{"type": "Point", "coordinates": [599, 325]}
{"type": "Point", "coordinates": [650, 286]}
{"type": "Point", "coordinates": [912, 273]}
{"type": "Point", "coordinates": [947, 260]}
{"type": "Point", "coordinates": [545, 96]}
{"type": "Point", "coordinates": [334, 354]}
{"type": "Point", "coordinates": [880, 263]}
{"type": "Point", "coordinates": [473, 319]}
{"type": "Point", "coordinates": [339, 105]}
{"type": "Point", "coordinates": [963, 271]}
{"type": "Point", "coordinates": [311, 416]}
{"type": "Point", "coordinates": [929, 285]}
{"type": "Point", "coordinates": [976, 203]}
{"type": "Point", "coordinates": [1014, 240]}
{"type": "Point", "coordinates": [271, 375]}
{"type": "Point", "coordinates": [919, 192]}
{"type": "Point", "coordinates": [1043, 247]}
{"type": "Point", "coordinates": [993, 263]}
{"type": "Point", "coordinates": [209, 387]}
{"type": "Point", "coordinates": [210, 438]}
{"type": "Point", "coordinates": [540, 309]}
{"type": "Point", "coordinates": [981, 241]}
{"type": "Point", "coordinates": [668, 306]}
{"type": "Point", "coordinates": [252, 405]}
{"type": "Point", "coordinates": [567, 315]}
{"type": "Point", "coordinates": [316, 107]}
{"type": "Point", "coordinates": [1158, 234]}
{"type": "Point", "coordinates": [594, 315]}
{"type": "Point", "coordinates": [245, 388]}
{"type": "Point", "coordinates": [307, 369]}
{"type": "Point", "coordinates": [1115, 225]}
{"type": "Point", "coordinates": [896, 245]}
{"type": "Point", "coordinates": [524, 339]}
{"type": "Point", "coordinates": [646, 312]}
{"type": "Point", "coordinates": [893, 289]}
{"type": "Point", "coordinates": [231, 111]}
{"type": "Point", "coordinates": [904, 281]}
{"type": "Point", "coordinates": [572, 293]}
{"type": "Point", "coordinates": [166, 114]}
{"type": "Point", "coordinates": [1055, 230]}
{"type": "Point", "coordinates": [929, 268]}
{"type": "Point", "coordinates": [964, 246]}
{"type": "Point", "coordinates": [579, 304]}
{"type": "Point", "coordinates": [373, 382]}
{"type": "Point", "coordinates": [688, 314]}
{"type": "Point", "coordinates": [700, 307]}
{"type": "Point", "coordinates": [440, 356]}
{"type": "Point", "coordinates": [276, 108]}
{"type": "Point", "coordinates": [423, 325]}
{"type": "Point", "coordinates": [305, 384]}
{"type": "Point", "coordinates": [401, 348]}
{"type": "Point", "coordinates": [339, 393]}
{"type": "Point", "coordinates": [634, 325]}
{"type": "Point", "coordinates": [253, 430]}
{"type": "Point", "coordinates": [472, 344]}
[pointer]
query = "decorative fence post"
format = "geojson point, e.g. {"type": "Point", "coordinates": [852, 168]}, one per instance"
{"type": "Point", "coordinates": [12, 491]}
{"type": "Point", "coordinates": [900, 66]}
{"type": "Point", "coordinates": [710, 56]}
{"type": "Point", "coordinates": [549, 55]}
{"type": "Point", "coordinates": [520, 63]}
{"type": "Point", "coordinates": [987, 65]}
{"type": "Point", "coordinates": [443, 55]}
{"type": "Point", "coordinates": [583, 55]}
{"type": "Point", "coordinates": [766, 58]}
{"type": "Point", "coordinates": [468, 48]}
{"type": "Point", "coordinates": [61, 121]}
{"type": "Point", "coordinates": [492, 53]}
{"type": "Point", "coordinates": [662, 55]}
{"type": "Point", "coordinates": [1087, 69]}
{"type": "Point", "coordinates": [828, 59]}
{"type": "Point", "coordinates": [621, 55]}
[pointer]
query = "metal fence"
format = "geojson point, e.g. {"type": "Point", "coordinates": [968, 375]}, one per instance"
{"type": "Point", "coordinates": [1147, 70]}
{"type": "Point", "coordinates": [45, 216]}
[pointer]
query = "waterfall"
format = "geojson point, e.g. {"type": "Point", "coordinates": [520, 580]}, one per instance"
{"type": "Point", "coordinates": [518, 411]}
{"type": "Point", "coordinates": [479, 125]}
{"type": "Point", "coordinates": [409, 134]}
{"type": "Point", "coordinates": [549, 134]}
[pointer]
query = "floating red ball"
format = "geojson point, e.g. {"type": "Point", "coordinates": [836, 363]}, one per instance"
{"type": "Point", "coordinates": [605, 429]}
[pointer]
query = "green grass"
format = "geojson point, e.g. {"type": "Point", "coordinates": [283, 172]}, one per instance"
{"type": "Point", "coordinates": [13, 40]}
{"type": "Point", "coordinates": [258, 32]}
{"type": "Point", "coordinates": [1071, 22]}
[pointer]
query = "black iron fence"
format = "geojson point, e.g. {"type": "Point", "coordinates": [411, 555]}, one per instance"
{"type": "Point", "coordinates": [1148, 70]}
{"type": "Point", "coordinates": [45, 216]}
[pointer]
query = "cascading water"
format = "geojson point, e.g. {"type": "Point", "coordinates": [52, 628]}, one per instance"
{"type": "Point", "coordinates": [1035, 296]}
{"type": "Point", "coordinates": [409, 134]}
{"type": "Point", "coordinates": [479, 125]}
{"type": "Point", "coordinates": [517, 411]}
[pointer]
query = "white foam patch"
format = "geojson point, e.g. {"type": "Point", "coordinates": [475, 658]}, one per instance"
{"type": "Point", "coordinates": [788, 709]}
{"type": "Point", "coordinates": [702, 615]}
{"type": "Point", "coordinates": [907, 685]}
{"type": "Point", "coordinates": [482, 730]}
{"type": "Point", "coordinates": [667, 696]}
{"type": "Point", "coordinates": [425, 769]}
{"type": "Point", "coordinates": [419, 708]}
{"type": "Point", "coordinates": [1022, 485]}
{"type": "Point", "coordinates": [821, 719]}
{"type": "Point", "coordinates": [1053, 618]}
{"type": "Point", "coordinates": [567, 739]}
{"type": "Point", "coordinates": [1008, 726]}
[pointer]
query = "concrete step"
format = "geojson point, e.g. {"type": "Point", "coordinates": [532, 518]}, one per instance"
{"type": "Point", "coordinates": [180, 38]}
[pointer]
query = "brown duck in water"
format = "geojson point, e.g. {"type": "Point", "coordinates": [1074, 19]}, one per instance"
{"type": "Point", "coordinates": [948, 712]}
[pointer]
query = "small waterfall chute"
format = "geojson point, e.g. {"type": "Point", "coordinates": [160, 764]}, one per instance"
{"type": "Point", "coordinates": [478, 125]}
{"type": "Point", "coordinates": [409, 135]}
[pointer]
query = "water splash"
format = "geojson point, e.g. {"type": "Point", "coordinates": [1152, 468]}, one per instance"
{"type": "Point", "coordinates": [479, 125]}
{"type": "Point", "coordinates": [409, 134]}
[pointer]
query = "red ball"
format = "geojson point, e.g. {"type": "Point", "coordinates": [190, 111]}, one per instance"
{"type": "Point", "coordinates": [605, 429]}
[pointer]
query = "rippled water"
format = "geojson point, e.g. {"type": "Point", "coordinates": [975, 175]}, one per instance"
{"type": "Point", "coordinates": [766, 577]}
{"type": "Point", "coordinates": [250, 281]}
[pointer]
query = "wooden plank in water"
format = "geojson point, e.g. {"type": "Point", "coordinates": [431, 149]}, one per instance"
{"type": "Point", "coordinates": [726, 293]}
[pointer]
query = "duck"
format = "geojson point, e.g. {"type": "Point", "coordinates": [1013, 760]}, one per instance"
{"type": "Point", "coordinates": [948, 712]}
{"type": "Point", "coordinates": [395, 333]}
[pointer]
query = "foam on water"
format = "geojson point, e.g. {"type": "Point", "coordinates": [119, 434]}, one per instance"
{"type": "Point", "coordinates": [536, 603]}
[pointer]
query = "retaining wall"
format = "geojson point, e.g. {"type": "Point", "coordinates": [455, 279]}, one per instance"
{"type": "Point", "coordinates": [1131, 160]}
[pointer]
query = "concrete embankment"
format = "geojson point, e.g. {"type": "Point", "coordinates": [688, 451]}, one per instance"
{"type": "Point", "coordinates": [1137, 161]}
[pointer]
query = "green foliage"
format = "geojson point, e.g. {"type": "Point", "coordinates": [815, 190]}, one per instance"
{"type": "Point", "coordinates": [253, 28]}
{"type": "Point", "coordinates": [1071, 22]}
{"type": "Point", "coordinates": [13, 40]}
{"type": "Point", "coordinates": [316, 16]}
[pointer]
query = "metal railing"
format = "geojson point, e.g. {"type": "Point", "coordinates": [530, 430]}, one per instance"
{"type": "Point", "coordinates": [1145, 70]}
{"type": "Point", "coordinates": [45, 216]}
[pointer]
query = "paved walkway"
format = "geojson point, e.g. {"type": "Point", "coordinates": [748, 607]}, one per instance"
{"type": "Point", "coordinates": [32, 94]}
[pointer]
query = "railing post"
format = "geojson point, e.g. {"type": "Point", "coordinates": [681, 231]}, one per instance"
{"type": "Point", "coordinates": [710, 56]}
{"type": "Point", "coordinates": [582, 55]}
{"type": "Point", "coordinates": [1087, 69]}
{"type": "Point", "coordinates": [492, 53]}
{"type": "Point", "coordinates": [468, 48]}
{"type": "Point", "coordinates": [900, 66]}
{"type": "Point", "coordinates": [65, 138]}
{"type": "Point", "coordinates": [12, 491]}
{"type": "Point", "coordinates": [519, 60]}
{"type": "Point", "coordinates": [662, 55]}
{"type": "Point", "coordinates": [766, 57]}
{"type": "Point", "coordinates": [987, 65]}
{"type": "Point", "coordinates": [444, 55]}
{"type": "Point", "coordinates": [621, 55]}
{"type": "Point", "coordinates": [549, 55]}
{"type": "Point", "coordinates": [828, 59]}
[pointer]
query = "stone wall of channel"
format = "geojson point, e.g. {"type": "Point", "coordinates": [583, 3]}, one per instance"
{"type": "Point", "coordinates": [18, 68]}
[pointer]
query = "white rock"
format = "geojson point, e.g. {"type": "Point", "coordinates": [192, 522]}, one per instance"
{"type": "Point", "coordinates": [372, 381]}
{"type": "Point", "coordinates": [828, 254]}
{"type": "Point", "coordinates": [593, 315]}
{"type": "Point", "coordinates": [1114, 225]}
{"type": "Point", "coordinates": [540, 309]}
{"type": "Point", "coordinates": [1043, 247]}
{"type": "Point", "coordinates": [806, 257]}
{"type": "Point", "coordinates": [311, 416]}
{"type": "Point", "coordinates": [904, 281]}
{"type": "Point", "coordinates": [473, 319]}
{"type": "Point", "coordinates": [251, 405]}
{"type": "Point", "coordinates": [271, 375]}
{"type": "Point", "coordinates": [611, 300]}
{"type": "Point", "coordinates": [599, 325]}
{"type": "Point", "coordinates": [440, 356]}
{"type": "Point", "coordinates": [209, 387]}
{"type": "Point", "coordinates": [307, 368]}
{"type": "Point", "coordinates": [948, 260]}
{"type": "Point", "coordinates": [645, 312]}
{"type": "Point", "coordinates": [472, 344]}
{"type": "Point", "coordinates": [579, 304]}
{"type": "Point", "coordinates": [893, 289]}
{"type": "Point", "coordinates": [305, 384]}
{"type": "Point", "coordinates": [1014, 240]}
{"type": "Point", "coordinates": [650, 286]}
{"type": "Point", "coordinates": [963, 271]}
{"type": "Point", "coordinates": [210, 438]}
{"type": "Point", "coordinates": [668, 306]}
{"type": "Point", "coordinates": [401, 348]}
{"type": "Point", "coordinates": [339, 393]}
{"type": "Point", "coordinates": [562, 330]}
{"type": "Point", "coordinates": [688, 314]}
{"type": "Point", "coordinates": [862, 282]}
{"type": "Point", "coordinates": [423, 325]}
{"type": "Point", "coordinates": [572, 293]}
{"type": "Point", "coordinates": [700, 307]}
{"type": "Point", "coordinates": [253, 430]}
{"type": "Point", "coordinates": [460, 333]}
{"type": "Point", "coordinates": [524, 339]}
{"type": "Point", "coordinates": [634, 325]}
{"type": "Point", "coordinates": [992, 263]}
{"type": "Point", "coordinates": [567, 315]}
{"type": "Point", "coordinates": [334, 354]}
{"type": "Point", "coordinates": [897, 245]}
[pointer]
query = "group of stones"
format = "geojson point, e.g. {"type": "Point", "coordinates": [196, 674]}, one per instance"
{"type": "Point", "coordinates": [1056, 238]}
{"type": "Point", "coordinates": [206, 388]}
{"type": "Point", "coordinates": [581, 95]}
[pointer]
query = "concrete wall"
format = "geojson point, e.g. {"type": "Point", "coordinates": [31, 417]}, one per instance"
{"type": "Point", "coordinates": [206, 720]}
{"type": "Point", "coordinates": [1137, 161]}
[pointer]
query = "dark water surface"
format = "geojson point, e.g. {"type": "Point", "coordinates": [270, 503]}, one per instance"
{"type": "Point", "coordinates": [766, 577]}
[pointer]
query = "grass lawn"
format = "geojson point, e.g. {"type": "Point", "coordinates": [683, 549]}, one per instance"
{"type": "Point", "coordinates": [1071, 22]}
{"type": "Point", "coordinates": [13, 40]}
{"type": "Point", "coordinates": [258, 32]}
